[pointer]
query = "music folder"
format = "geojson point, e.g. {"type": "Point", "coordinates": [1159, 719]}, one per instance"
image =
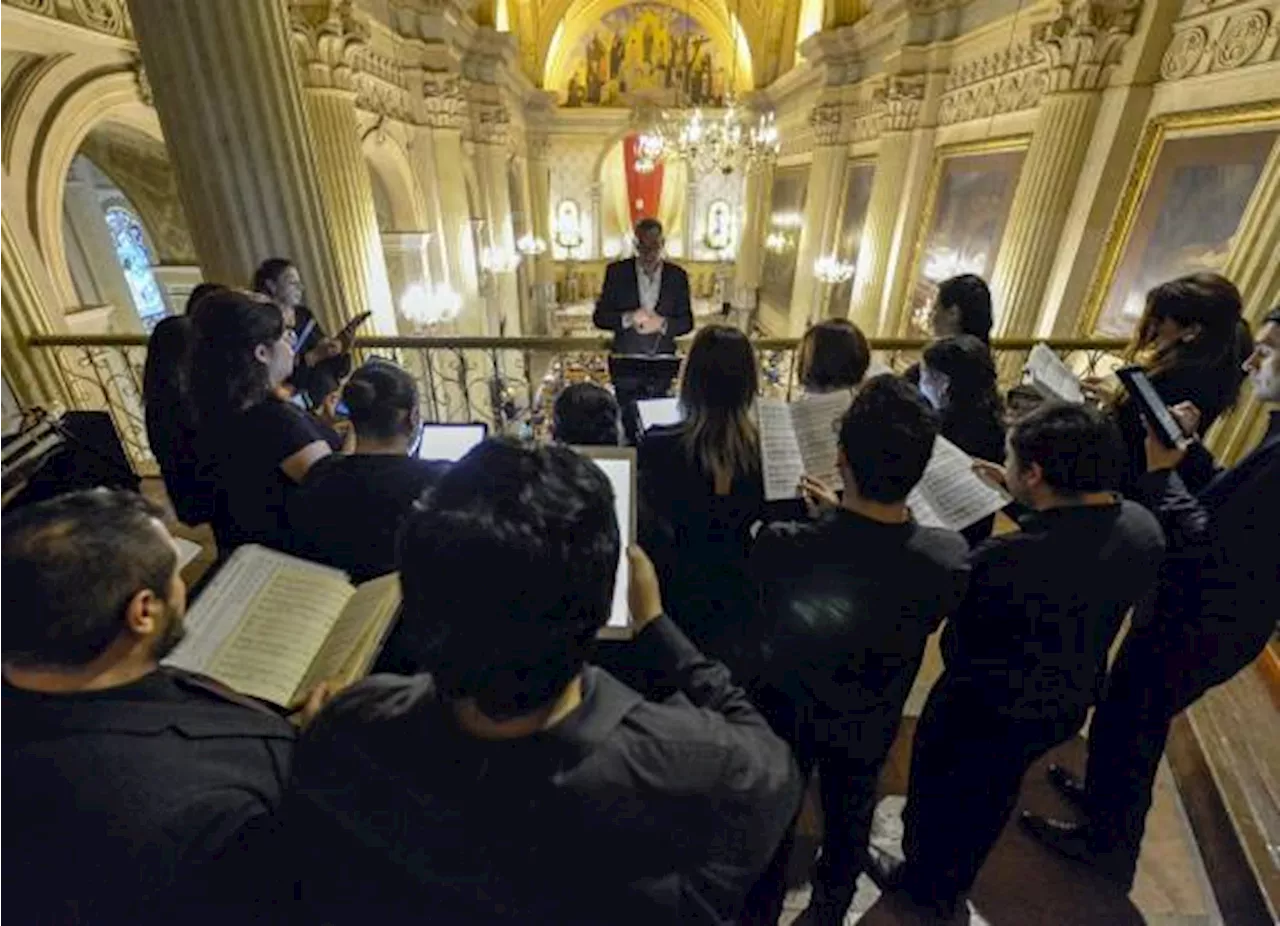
{"type": "Point", "coordinates": [1154, 411]}
{"type": "Point", "coordinates": [619, 465]}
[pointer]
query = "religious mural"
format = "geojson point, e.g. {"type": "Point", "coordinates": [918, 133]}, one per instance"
{"type": "Point", "coordinates": [648, 50]}
{"type": "Point", "coordinates": [1210, 179]}
{"type": "Point", "coordinates": [973, 194]}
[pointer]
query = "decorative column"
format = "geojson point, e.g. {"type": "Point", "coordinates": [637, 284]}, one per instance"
{"type": "Point", "coordinates": [490, 128]}
{"type": "Point", "coordinates": [33, 375]}
{"type": "Point", "coordinates": [876, 242]}
{"type": "Point", "coordinates": [329, 92]}
{"type": "Point", "coordinates": [540, 223]}
{"type": "Point", "coordinates": [1082, 47]}
{"type": "Point", "coordinates": [821, 214]}
{"type": "Point", "coordinates": [1253, 267]}
{"type": "Point", "coordinates": [597, 220]}
{"type": "Point", "coordinates": [751, 234]}
{"type": "Point", "coordinates": [239, 140]}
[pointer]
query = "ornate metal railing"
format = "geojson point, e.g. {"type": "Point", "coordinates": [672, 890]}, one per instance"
{"type": "Point", "coordinates": [507, 382]}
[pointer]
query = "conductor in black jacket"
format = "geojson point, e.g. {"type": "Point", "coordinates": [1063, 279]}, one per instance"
{"type": "Point", "coordinates": [645, 302]}
{"type": "Point", "coordinates": [1213, 611]}
{"type": "Point", "coordinates": [133, 793]}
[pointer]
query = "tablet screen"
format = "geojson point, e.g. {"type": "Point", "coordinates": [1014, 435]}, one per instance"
{"type": "Point", "coordinates": [449, 442]}
{"type": "Point", "coordinates": [619, 465]}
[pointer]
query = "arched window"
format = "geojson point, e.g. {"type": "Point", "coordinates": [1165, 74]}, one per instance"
{"type": "Point", "coordinates": [135, 260]}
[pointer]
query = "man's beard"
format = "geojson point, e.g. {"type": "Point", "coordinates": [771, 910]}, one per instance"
{"type": "Point", "coordinates": [173, 634]}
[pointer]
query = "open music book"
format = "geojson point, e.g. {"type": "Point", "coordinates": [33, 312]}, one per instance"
{"type": "Point", "coordinates": [274, 626]}
{"type": "Point", "coordinates": [949, 494]}
{"type": "Point", "coordinates": [1051, 377]}
{"type": "Point", "coordinates": [799, 438]}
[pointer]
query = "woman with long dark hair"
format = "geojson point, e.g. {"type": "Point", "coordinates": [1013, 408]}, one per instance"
{"type": "Point", "coordinates": [321, 363]}
{"type": "Point", "coordinates": [958, 378]}
{"type": "Point", "coordinates": [169, 412]}
{"type": "Point", "coordinates": [701, 489]}
{"type": "Point", "coordinates": [254, 447]}
{"type": "Point", "coordinates": [1191, 341]}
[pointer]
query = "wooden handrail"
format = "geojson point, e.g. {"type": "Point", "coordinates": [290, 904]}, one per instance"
{"type": "Point", "coordinates": [600, 344]}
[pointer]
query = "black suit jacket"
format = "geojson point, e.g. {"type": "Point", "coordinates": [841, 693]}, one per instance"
{"type": "Point", "coordinates": [621, 294]}
{"type": "Point", "coordinates": [147, 803]}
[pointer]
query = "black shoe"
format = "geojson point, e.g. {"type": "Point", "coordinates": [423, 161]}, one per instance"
{"type": "Point", "coordinates": [1068, 784]}
{"type": "Point", "coordinates": [1078, 841]}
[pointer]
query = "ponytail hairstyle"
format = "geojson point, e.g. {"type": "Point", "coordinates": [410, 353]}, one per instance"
{"type": "Point", "coordinates": [226, 375]}
{"type": "Point", "coordinates": [381, 400]}
{"type": "Point", "coordinates": [717, 391]}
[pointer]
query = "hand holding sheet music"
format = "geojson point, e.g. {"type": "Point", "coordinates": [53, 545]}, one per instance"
{"type": "Point", "coordinates": [1051, 377]}
{"type": "Point", "coordinates": [950, 494]}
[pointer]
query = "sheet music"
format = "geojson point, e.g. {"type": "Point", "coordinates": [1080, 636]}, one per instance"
{"type": "Point", "coordinates": [1051, 375]}
{"type": "Point", "coordinates": [448, 441]}
{"type": "Point", "coordinates": [656, 412]}
{"type": "Point", "coordinates": [950, 494]}
{"type": "Point", "coordinates": [261, 621]}
{"type": "Point", "coordinates": [816, 422]}
{"type": "Point", "coordinates": [353, 640]}
{"type": "Point", "coordinates": [779, 450]}
{"type": "Point", "coordinates": [621, 477]}
{"type": "Point", "coordinates": [187, 551]}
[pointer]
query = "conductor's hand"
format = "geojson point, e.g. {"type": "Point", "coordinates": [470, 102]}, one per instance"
{"type": "Point", "coordinates": [643, 594]}
{"type": "Point", "coordinates": [993, 474]}
{"type": "Point", "coordinates": [647, 322]}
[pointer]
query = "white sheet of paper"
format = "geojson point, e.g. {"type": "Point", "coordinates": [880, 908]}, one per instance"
{"type": "Point", "coordinates": [187, 551]}
{"type": "Point", "coordinates": [950, 494]}
{"type": "Point", "coordinates": [657, 412]}
{"type": "Point", "coordinates": [620, 476]}
{"type": "Point", "coordinates": [779, 450]}
{"type": "Point", "coordinates": [449, 442]}
{"type": "Point", "coordinates": [816, 422]}
{"type": "Point", "coordinates": [1049, 374]}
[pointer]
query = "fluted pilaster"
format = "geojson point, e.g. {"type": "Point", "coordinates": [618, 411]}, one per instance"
{"type": "Point", "coordinates": [33, 375]}
{"type": "Point", "coordinates": [227, 92]}
{"type": "Point", "coordinates": [348, 200]}
{"type": "Point", "coordinates": [746, 271]}
{"type": "Point", "coordinates": [876, 242]}
{"type": "Point", "coordinates": [1040, 205]}
{"type": "Point", "coordinates": [1253, 267]}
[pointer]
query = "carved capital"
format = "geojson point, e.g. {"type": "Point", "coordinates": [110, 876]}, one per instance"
{"type": "Point", "coordinates": [825, 120]}
{"type": "Point", "coordinates": [1083, 44]}
{"type": "Point", "coordinates": [443, 100]}
{"type": "Point", "coordinates": [326, 41]}
{"type": "Point", "coordinates": [901, 99]}
{"type": "Point", "coordinates": [490, 123]}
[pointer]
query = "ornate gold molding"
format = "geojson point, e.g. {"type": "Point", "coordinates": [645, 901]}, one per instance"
{"type": "Point", "coordinates": [1208, 122]}
{"type": "Point", "coordinates": [1009, 80]}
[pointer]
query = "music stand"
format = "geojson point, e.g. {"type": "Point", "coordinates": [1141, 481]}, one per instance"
{"type": "Point", "coordinates": [640, 376]}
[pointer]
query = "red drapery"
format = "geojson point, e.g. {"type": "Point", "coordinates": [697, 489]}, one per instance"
{"type": "Point", "coordinates": [644, 191]}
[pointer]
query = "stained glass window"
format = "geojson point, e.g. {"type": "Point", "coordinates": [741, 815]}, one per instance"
{"type": "Point", "coordinates": [135, 260]}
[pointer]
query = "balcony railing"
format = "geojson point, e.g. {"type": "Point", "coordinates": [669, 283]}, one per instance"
{"type": "Point", "coordinates": [509, 383]}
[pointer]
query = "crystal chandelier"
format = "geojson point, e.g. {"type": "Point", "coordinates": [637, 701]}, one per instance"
{"type": "Point", "coordinates": [736, 138]}
{"type": "Point", "coordinates": [832, 270]}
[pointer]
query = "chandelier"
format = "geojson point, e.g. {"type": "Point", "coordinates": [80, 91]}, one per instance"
{"type": "Point", "coordinates": [734, 138]}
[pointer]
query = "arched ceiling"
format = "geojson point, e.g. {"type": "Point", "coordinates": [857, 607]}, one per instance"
{"type": "Point", "coordinates": [549, 33]}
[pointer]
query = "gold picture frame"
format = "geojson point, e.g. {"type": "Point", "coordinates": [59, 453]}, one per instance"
{"type": "Point", "coordinates": [1009, 144]}
{"type": "Point", "coordinates": [1198, 123]}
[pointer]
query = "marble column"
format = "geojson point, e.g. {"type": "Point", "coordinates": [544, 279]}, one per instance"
{"type": "Point", "coordinates": [33, 374]}
{"type": "Point", "coordinates": [540, 223]}
{"type": "Point", "coordinates": [348, 200]}
{"type": "Point", "coordinates": [821, 216]}
{"type": "Point", "coordinates": [495, 194]}
{"type": "Point", "coordinates": [239, 140]}
{"type": "Point", "coordinates": [1082, 46]}
{"type": "Point", "coordinates": [1253, 267]}
{"type": "Point", "coordinates": [876, 241]}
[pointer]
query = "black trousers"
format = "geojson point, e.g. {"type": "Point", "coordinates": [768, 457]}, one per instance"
{"type": "Point", "coordinates": [967, 765]}
{"type": "Point", "coordinates": [1161, 669]}
{"type": "Point", "coordinates": [848, 756]}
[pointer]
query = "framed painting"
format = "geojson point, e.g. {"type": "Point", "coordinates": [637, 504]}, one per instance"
{"type": "Point", "coordinates": [1179, 214]}
{"type": "Point", "coordinates": [857, 194]}
{"type": "Point", "coordinates": [786, 215]}
{"type": "Point", "coordinates": [966, 208]}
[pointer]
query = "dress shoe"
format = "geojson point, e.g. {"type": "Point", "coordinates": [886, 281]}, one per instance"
{"type": "Point", "coordinates": [1068, 784]}
{"type": "Point", "coordinates": [1078, 841]}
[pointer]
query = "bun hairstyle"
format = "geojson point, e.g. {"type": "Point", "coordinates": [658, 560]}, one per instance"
{"type": "Point", "coordinates": [381, 398]}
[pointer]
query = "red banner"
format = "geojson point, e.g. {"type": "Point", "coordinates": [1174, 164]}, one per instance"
{"type": "Point", "coordinates": [644, 191]}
